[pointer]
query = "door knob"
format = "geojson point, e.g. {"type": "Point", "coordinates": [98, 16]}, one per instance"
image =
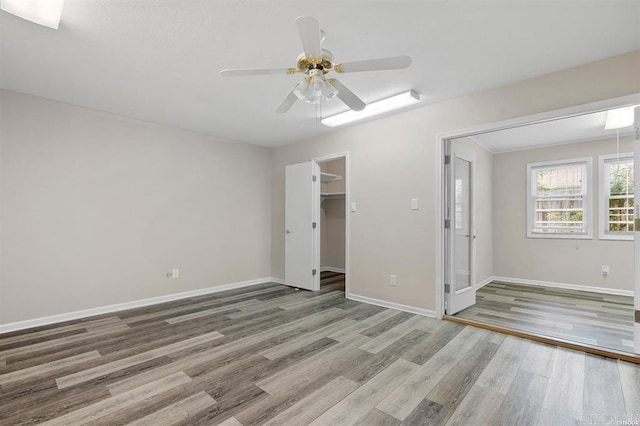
{"type": "Point", "coordinates": [287, 231]}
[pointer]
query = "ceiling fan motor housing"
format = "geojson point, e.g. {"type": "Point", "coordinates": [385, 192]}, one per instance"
{"type": "Point", "coordinates": [325, 64]}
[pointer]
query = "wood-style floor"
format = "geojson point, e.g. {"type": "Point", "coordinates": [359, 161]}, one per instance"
{"type": "Point", "coordinates": [269, 354]}
{"type": "Point", "coordinates": [593, 319]}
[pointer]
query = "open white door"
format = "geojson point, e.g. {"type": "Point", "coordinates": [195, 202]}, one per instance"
{"type": "Point", "coordinates": [460, 231]}
{"type": "Point", "coordinates": [302, 197]}
{"type": "Point", "coordinates": [636, 235]}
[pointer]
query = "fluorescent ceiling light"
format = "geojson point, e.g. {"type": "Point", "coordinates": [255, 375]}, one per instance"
{"type": "Point", "coordinates": [43, 12]}
{"type": "Point", "coordinates": [379, 107]}
{"type": "Point", "coordinates": [619, 118]}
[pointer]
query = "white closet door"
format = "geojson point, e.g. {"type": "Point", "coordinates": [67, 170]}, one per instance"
{"type": "Point", "coordinates": [302, 198]}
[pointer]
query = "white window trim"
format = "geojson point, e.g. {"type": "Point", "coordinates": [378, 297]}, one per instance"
{"type": "Point", "coordinates": [602, 206]}
{"type": "Point", "coordinates": [588, 207]}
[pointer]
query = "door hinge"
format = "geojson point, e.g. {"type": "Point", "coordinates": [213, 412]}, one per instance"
{"type": "Point", "coordinates": [313, 272]}
{"type": "Point", "coordinates": [314, 178]}
{"type": "Point", "coordinates": [447, 223]}
{"type": "Point", "coordinates": [447, 288]}
{"type": "Point", "coordinates": [314, 225]}
{"type": "Point", "coordinates": [447, 159]}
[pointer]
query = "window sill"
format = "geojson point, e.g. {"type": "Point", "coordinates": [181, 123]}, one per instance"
{"type": "Point", "coordinates": [560, 236]}
{"type": "Point", "coordinates": [613, 237]}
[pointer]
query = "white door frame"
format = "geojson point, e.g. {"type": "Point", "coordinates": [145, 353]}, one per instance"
{"type": "Point", "coordinates": [592, 107]}
{"type": "Point", "coordinates": [347, 203]}
{"type": "Point", "coordinates": [636, 233]}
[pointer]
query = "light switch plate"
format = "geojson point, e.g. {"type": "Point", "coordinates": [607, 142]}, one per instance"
{"type": "Point", "coordinates": [353, 206]}
{"type": "Point", "coordinates": [414, 204]}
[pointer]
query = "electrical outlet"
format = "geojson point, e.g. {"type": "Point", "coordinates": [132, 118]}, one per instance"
{"type": "Point", "coordinates": [392, 280]}
{"type": "Point", "coordinates": [605, 270]}
{"type": "Point", "coordinates": [174, 273]}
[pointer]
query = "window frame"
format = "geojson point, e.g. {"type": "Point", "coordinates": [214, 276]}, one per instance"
{"type": "Point", "coordinates": [603, 199]}
{"type": "Point", "coordinates": [587, 210]}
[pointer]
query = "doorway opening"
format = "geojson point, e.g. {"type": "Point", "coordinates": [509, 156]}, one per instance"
{"type": "Point", "coordinates": [317, 224]}
{"type": "Point", "coordinates": [332, 244]}
{"type": "Point", "coordinates": [550, 224]}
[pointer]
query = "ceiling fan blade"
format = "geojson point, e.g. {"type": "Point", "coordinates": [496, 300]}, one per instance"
{"type": "Point", "coordinates": [309, 30]}
{"type": "Point", "coordinates": [287, 103]}
{"type": "Point", "coordinates": [257, 71]}
{"type": "Point", "coordinates": [347, 96]}
{"type": "Point", "coordinates": [393, 63]}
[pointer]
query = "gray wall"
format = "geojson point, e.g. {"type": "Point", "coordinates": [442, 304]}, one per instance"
{"type": "Point", "coordinates": [96, 208]}
{"type": "Point", "coordinates": [564, 261]}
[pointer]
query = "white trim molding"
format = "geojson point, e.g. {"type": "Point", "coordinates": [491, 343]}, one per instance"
{"type": "Point", "coordinates": [392, 305]}
{"type": "Point", "coordinates": [53, 319]}
{"type": "Point", "coordinates": [332, 269]}
{"type": "Point", "coordinates": [565, 286]}
{"type": "Point", "coordinates": [484, 282]}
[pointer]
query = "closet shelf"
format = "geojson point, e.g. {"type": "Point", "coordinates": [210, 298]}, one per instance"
{"type": "Point", "coordinates": [329, 177]}
{"type": "Point", "coordinates": [331, 195]}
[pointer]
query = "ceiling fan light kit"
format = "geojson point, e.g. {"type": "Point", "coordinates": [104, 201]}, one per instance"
{"type": "Point", "coordinates": [382, 106]}
{"type": "Point", "coordinates": [316, 62]}
{"type": "Point", "coordinates": [315, 88]}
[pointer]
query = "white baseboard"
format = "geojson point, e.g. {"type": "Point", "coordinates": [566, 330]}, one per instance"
{"type": "Point", "coordinates": [566, 286]}
{"type": "Point", "coordinates": [392, 305]}
{"type": "Point", "coordinates": [53, 319]}
{"type": "Point", "coordinates": [331, 269]}
{"type": "Point", "coordinates": [483, 283]}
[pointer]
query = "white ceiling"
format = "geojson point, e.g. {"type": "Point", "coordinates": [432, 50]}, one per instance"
{"type": "Point", "coordinates": [580, 128]}
{"type": "Point", "coordinates": [159, 60]}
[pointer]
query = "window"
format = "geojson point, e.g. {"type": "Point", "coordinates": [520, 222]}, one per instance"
{"type": "Point", "coordinates": [558, 199]}
{"type": "Point", "coordinates": [616, 196]}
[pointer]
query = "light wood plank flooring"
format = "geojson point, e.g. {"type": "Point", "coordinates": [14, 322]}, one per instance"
{"type": "Point", "coordinates": [594, 319]}
{"type": "Point", "coordinates": [270, 354]}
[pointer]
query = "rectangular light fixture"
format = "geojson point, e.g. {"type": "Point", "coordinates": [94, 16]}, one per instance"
{"type": "Point", "coordinates": [43, 12]}
{"type": "Point", "coordinates": [619, 118]}
{"type": "Point", "coordinates": [375, 108]}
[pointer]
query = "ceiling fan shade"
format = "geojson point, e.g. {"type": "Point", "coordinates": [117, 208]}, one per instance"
{"type": "Point", "coordinates": [315, 89]}
{"type": "Point", "coordinates": [382, 64]}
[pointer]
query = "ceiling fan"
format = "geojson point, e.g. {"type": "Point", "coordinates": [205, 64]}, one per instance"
{"type": "Point", "coordinates": [315, 62]}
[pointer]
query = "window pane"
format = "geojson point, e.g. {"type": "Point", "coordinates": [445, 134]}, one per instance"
{"type": "Point", "coordinates": [559, 215]}
{"type": "Point", "coordinates": [621, 177]}
{"type": "Point", "coordinates": [561, 180]}
{"type": "Point", "coordinates": [621, 193]}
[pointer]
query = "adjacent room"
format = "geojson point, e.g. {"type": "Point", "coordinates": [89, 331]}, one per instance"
{"type": "Point", "coordinates": [285, 212]}
{"type": "Point", "coordinates": [554, 230]}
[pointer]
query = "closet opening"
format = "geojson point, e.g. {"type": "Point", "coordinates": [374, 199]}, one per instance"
{"type": "Point", "coordinates": [333, 241]}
